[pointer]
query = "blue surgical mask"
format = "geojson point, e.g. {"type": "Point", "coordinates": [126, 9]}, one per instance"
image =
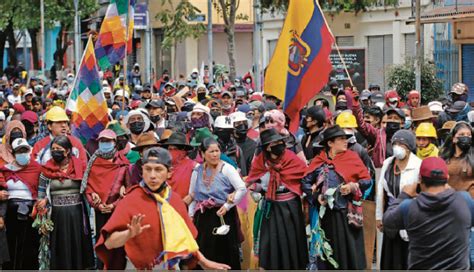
{"type": "Point", "coordinates": [106, 147]}
{"type": "Point", "coordinates": [22, 158]}
{"type": "Point", "coordinates": [408, 123]}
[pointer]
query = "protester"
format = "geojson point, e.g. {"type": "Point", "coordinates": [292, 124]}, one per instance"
{"type": "Point", "coordinates": [70, 241]}
{"type": "Point", "coordinates": [315, 125]}
{"type": "Point", "coordinates": [437, 220]}
{"type": "Point", "coordinates": [214, 214]}
{"type": "Point", "coordinates": [338, 174]}
{"type": "Point", "coordinates": [19, 179]}
{"type": "Point", "coordinates": [426, 141]}
{"type": "Point", "coordinates": [247, 145]}
{"type": "Point", "coordinates": [14, 130]}
{"type": "Point", "coordinates": [276, 173]}
{"type": "Point", "coordinates": [399, 170]}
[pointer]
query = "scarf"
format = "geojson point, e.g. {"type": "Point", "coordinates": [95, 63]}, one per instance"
{"type": "Point", "coordinates": [178, 241]}
{"type": "Point", "coordinates": [182, 170]}
{"type": "Point", "coordinates": [347, 164]}
{"type": "Point", "coordinates": [287, 170]}
{"type": "Point", "coordinates": [74, 170]}
{"type": "Point", "coordinates": [101, 174]}
{"type": "Point", "coordinates": [29, 175]}
{"type": "Point", "coordinates": [6, 152]}
{"type": "Point", "coordinates": [430, 151]}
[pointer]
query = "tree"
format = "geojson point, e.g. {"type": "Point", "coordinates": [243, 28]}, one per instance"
{"type": "Point", "coordinates": [402, 78]}
{"type": "Point", "coordinates": [176, 26]}
{"type": "Point", "coordinates": [329, 5]}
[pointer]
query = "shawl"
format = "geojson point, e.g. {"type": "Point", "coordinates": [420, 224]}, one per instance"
{"type": "Point", "coordinates": [101, 175]}
{"type": "Point", "coordinates": [288, 170]}
{"type": "Point", "coordinates": [6, 152]}
{"type": "Point", "coordinates": [75, 170]}
{"type": "Point", "coordinates": [181, 175]}
{"type": "Point", "coordinates": [29, 175]}
{"type": "Point", "coordinates": [144, 249]}
{"type": "Point", "coordinates": [347, 164]}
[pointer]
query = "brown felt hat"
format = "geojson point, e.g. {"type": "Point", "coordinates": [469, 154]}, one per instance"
{"type": "Point", "coordinates": [147, 139]}
{"type": "Point", "coordinates": [421, 113]}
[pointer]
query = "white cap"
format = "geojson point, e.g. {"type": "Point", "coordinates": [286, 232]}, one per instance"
{"type": "Point", "coordinates": [27, 92]}
{"type": "Point", "coordinates": [195, 70]}
{"type": "Point", "coordinates": [201, 108]}
{"type": "Point", "coordinates": [120, 92]}
{"type": "Point", "coordinates": [2, 116]}
{"type": "Point", "coordinates": [106, 89]}
{"type": "Point", "coordinates": [20, 142]}
{"type": "Point", "coordinates": [238, 116]}
{"type": "Point", "coordinates": [105, 83]}
{"type": "Point", "coordinates": [435, 106]}
{"type": "Point", "coordinates": [223, 122]}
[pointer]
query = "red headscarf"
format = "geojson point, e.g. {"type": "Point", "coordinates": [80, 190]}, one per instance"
{"type": "Point", "coordinates": [288, 170]}
{"type": "Point", "coordinates": [75, 170]}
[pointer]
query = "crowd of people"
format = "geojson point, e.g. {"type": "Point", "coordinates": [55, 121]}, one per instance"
{"type": "Point", "coordinates": [189, 174]}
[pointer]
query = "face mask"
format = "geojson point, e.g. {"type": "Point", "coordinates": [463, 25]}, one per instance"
{"type": "Point", "coordinates": [22, 158]}
{"type": "Point", "coordinates": [223, 229]}
{"type": "Point", "coordinates": [201, 96]}
{"type": "Point", "coordinates": [6, 112]}
{"type": "Point", "coordinates": [241, 131]}
{"type": "Point", "coordinates": [464, 143]}
{"type": "Point", "coordinates": [226, 107]}
{"type": "Point", "coordinates": [166, 78]}
{"type": "Point", "coordinates": [237, 84]}
{"type": "Point", "coordinates": [278, 149]}
{"type": "Point", "coordinates": [224, 135]}
{"type": "Point", "coordinates": [177, 156]}
{"type": "Point", "coordinates": [248, 80]}
{"type": "Point", "coordinates": [393, 105]}
{"type": "Point", "coordinates": [58, 155]}
{"type": "Point", "coordinates": [392, 127]}
{"type": "Point", "coordinates": [137, 127]}
{"type": "Point", "coordinates": [334, 91]}
{"type": "Point", "coordinates": [408, 123]}
{"type": "Point", "coordinates": [194, 75]}
{"type": "Point", "coordinates": [399, 152]}
{"type": "Point", "coordinates": [155, 118]}
{"type": "Point", "coordinates": [15, 135]}
{"type": "Point", "coordinates": [215, 114]}
{"type": "Point", "coordinates": [121, 144]}
{"type": "Point", "coordinates": [106, 147]}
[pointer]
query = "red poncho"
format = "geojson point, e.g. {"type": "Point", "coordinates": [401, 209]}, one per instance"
{"type": "Point", "coordinates": [106, 177]}
{"type": "Point", "coordinates": [182, 170]}
{"type": "Point", "coordinates": [29, 175]}
{"type": "Point", "coordinates": [144, 248]}
{"type": "Point", "coordinates": [347, 164]}
{"type": "Point", "coordinates": [75, 170]}
{"type": "Point", "coordinates": [288, 170]}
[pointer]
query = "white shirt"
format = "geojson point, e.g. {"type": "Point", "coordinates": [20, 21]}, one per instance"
{"type": "Point", "coordinates": [18, 190]}
{"type": "Point", "coordinates": [14, 99]}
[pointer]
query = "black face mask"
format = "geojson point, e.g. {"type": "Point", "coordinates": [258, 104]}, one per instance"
{"type": "Point", "coordinates": [334, 91]}
{"type": "Point", "coordinates": [201, 96]}
{"type": "Point", "coordinates": [15, 135]}
{"type": "Point", "coordinates": [241, 131]}
{"type": "Point", "coordinates": [58, 155]}
{"type": "Point", "coordinates": [6, 112]}
{"type": "Point", "coordinates": [391, 128]}
{"type": "Point", "coordinates": [29, 128]}
{"type": "Point", "coordinates": [155, 118]}
{"type": "Point", "coordinates": [122, 143]}
{"type": "Point", "coordinates": [137, 127]}
{"type": "Point", "coordinates": [464, 143]}
{"type": "Point", "coordinates": [224, 135]}
{"type": "Point", "coordinates": [215, 114]}
{"type": "Point", "coordinates": [278, 150]}
{"type": "Point", "coordinates": [166, 78]}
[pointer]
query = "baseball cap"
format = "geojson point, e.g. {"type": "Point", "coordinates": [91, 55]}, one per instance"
{"type": "Point", "coordinates": [227, 93]}
{"type": "Point", "coordinates": [19, 143]}
{"type": "Point", "coordinates": [107, 134]}
{"type": "Point", "coordinates": [29, 116]}
{"type": "Point", "coordinates": [156, 104]}
{"type": "Point", "coordinates": [377, 97]}
{"type": "Point", "coordinates": [457, 107]}
{"type": "Point", "coordinates": [398, 111]}
{"type": "Point", "coordinates": [434, 170]}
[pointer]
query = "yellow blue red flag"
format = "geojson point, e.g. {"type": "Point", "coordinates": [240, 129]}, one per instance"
{"type": "Point", "coordinates": [300, 65]}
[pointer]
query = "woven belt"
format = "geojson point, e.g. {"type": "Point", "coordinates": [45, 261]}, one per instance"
{"type": "Point", "coordinates": [66, 200]}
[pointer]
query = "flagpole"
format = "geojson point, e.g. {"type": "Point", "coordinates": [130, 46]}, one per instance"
{"type": "Point", "coordinates": [344, 63]}
{"type": "Point", "coordinates": [125, 62]}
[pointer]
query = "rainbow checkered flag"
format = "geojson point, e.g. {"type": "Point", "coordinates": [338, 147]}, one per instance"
{"type": "Point", "coordinates": [113, 37]}
{"type": "Point", "coordinates": [86, 101]}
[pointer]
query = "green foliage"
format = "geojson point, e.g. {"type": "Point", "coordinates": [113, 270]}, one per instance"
{"type": "Point", "coordinates": [333, 6]}
{"type": "Point", "coordinates": [176, 26]}
{"type": "Point", "coordinates": [402, 78]}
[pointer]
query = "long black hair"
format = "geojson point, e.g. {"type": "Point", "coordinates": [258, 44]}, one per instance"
{"type": "Point", "coordinates": [448, 149]}
{"type": "Point", "coordinates": [63, 141]}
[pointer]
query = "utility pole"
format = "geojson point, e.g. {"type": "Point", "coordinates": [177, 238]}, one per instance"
{"type": "Point", "coordinates": [25, 53]}
{"type": "Point", "coordinates": [77, 36]}
{"type": "Point", "coordinates": [43, 40]}
{"type": "Point", "coordinates": [419, 56]}
{"type": "Point", "coordinates": [257, 46]}
{"type": "Point", "coordinates": [148, 46]}
{"type": "Point", "coordinates": [210, 52]}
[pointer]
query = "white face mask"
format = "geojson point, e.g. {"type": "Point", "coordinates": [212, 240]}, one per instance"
{"type": "Point", "coordinates": [352, 139]}
{"type": "Point", "coordinates": [223, 229]}
{"type": "Point", "coordinates": [399, 152]}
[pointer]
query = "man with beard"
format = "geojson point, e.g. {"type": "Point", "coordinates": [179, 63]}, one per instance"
{"type": "Point", "coordinates": [248, 146]}
{"type": "Point", "coordinates": [315, 125]}
{"type": "Point", "coordinates": [224, 130]}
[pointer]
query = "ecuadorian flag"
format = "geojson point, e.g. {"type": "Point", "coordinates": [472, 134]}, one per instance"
{"type": "Point", "coordinates": [300, 65]}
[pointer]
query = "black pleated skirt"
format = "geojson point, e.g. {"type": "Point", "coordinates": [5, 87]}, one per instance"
{"type": "Point", "coordinates": [394, 253]}
{"type": "Point", "coordinates": [71, 240]}
{"type": "Point", "coordinates": [218, 248]}
{"type": "Point", "coordinates": [23, 240]}
{"type": "Point", "coordinates": [347, 242]}
{"type": "Point", "coordinates": [283, 241]}
{"type": "Point", "coordinates": [100, 221]}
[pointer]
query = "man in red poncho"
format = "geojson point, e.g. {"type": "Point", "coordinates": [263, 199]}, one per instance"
{"type": "Point", "coordinates": [151, 223]}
